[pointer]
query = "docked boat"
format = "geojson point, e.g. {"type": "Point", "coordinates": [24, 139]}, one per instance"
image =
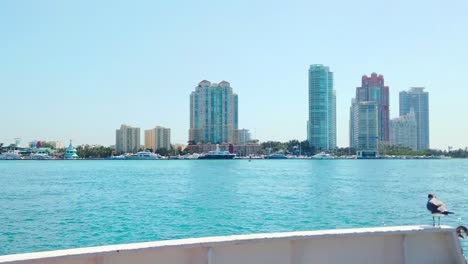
{"type": "Point", "coordinates": [276, 156]}
{"type": "Point", "coordinates": [217, 154]}
{"type": "Point", "coordinates": [10, 155]}
{"type": "Point", "coordinates": [144, 155]}
{"type": "Point", "coordinates": [323, 155]}
{"type": "Point", "coordinates": [119, 157]}
{"type": "Point", "coordinates": [40, 155]}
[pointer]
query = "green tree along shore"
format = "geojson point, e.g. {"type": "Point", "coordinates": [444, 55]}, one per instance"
{"type": "Point", "coordinates": [96, 153]}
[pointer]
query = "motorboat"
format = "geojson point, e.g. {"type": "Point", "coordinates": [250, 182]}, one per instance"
{"type": "Point", "coordinates": [276, 156]}
{"type": "Point", "coordinates": [323, 155]}
{"type": "Point", "coordinates": [119, 157]}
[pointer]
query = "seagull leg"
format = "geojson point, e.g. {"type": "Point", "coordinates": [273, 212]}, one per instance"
{"type": "Point", "coordinates": [439, 221]}
{"type": "Point", "coordinates": [433, 221]}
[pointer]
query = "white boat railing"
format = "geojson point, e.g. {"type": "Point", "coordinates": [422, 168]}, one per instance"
{"type": "Point", "coordinates": [396, 245]}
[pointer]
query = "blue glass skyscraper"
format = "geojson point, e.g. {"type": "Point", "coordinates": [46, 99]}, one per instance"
{"type": "Point", "coordinates": [321, 126]}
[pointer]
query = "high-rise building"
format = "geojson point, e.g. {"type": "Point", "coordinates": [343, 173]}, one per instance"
{"type": "Point", "coordinates": [213, 113]}
{"type": "Point", "coordinates": [403, 131]}
{"type": "Point", "coordinates": [241, 136]}
{"type": "Point", "coordinates": [157, 138]}
{"type": "Point", "coordinates": [373, 89]}
{"type": "Point", "coordinates": [352, 123]}
{"type": "Point", "coordinates": [321, 126]}
{"type": "Point", "coordinates": [417, 100]}
{"type": "Point", "coordinates": [365, 129]}
{"type": "Point", "coordinates": [127, 139]}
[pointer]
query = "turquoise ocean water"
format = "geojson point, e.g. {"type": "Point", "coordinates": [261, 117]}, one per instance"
{"type": "Point", "coordinates": [47, 205]}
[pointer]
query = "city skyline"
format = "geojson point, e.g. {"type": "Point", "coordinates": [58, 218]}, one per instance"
{"type": "Point", "coordinates": [80, 63]}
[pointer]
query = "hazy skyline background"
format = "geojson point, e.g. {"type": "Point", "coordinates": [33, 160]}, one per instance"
{"type": "Point", "coordinates": [78, 70]}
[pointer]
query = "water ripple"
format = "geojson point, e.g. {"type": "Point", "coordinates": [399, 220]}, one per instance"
{"type": "Point", "coordinates": [62, 204]}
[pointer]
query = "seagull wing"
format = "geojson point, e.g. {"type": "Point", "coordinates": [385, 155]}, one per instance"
{"type": "Point", "coordinates": [440, 205]}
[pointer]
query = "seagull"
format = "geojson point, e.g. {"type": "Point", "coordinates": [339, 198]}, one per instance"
{"type": "Point", "coordinates": [436, 207]}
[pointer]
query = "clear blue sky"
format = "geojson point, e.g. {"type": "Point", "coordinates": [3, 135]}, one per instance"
{"type": "Point", "coordinates": [78, 69]}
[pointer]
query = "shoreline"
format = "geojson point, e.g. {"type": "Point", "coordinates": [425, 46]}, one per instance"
{"type": "Point", "coordinates": [252, 159]}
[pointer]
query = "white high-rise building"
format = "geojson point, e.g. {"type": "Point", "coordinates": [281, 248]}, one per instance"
{"type": "Point", "coordinates": [158, 138]}
{"type": "Point", "coordinates": [364, 129]}
{"type": "Point", "coordinates": [403, 131]}
{"type": "Point", "coordinates": [127, 139]}
{"type": "Point", "coordinates": [417, 100]}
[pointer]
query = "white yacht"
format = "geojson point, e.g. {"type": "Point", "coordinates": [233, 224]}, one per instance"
{"type": "Point", "coordinates": [323, 155]}
{"type": "Point", "coordinates": [217, 154]}
{"type": "Point", "coordinates": [10, 155]}
{"type": "Point", "coordinates": [276, 156]}
{"type": "Point", "coordinates": [119, 157]}
{"type": "Point", "coordinates": [40, 155]}
{"type": "Point", "coordinates": [144, 155]}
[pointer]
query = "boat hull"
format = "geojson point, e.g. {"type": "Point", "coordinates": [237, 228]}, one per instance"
{"type": "Point", "coordinates": [217, 157]}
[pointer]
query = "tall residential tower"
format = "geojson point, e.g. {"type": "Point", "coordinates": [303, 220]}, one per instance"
{"type": "Point", "coordinates": [372, 94]}
{"type": "Point", "coordinates": [127, 139]}
{"type": "Point", "coordinates": [373, 89]}
{"type": "Point", "coordinates": [321, 126]}
{"type": "Point", "coordinates": [417, 100]}
{"type": "Point", "coordinates": [213, 113]}
{"type": "Point", "coordinates": [364, 125]}
{"type": "Point", "coordinates": [403, 131]}
{"type": "Point", "coordinates": [157, 138]}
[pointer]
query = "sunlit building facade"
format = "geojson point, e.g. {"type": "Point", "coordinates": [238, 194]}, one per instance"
{"type": "Point", "coordinates": [241, 136]}
{"type": "Point", "coordinates": [417, 101]}
{"type": "Point", "coordinates": [373, 89]}
{"type": "Point", "coordinates": [403, 131]}
{"type": "Point", "coordinates": [365, 129]}
{"type": "Point", "coordinates": [158, 138]}
{"type": "Point", "coordinates": [127, 139]}
{"type": "Point", "coordinates": [213, 113]}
